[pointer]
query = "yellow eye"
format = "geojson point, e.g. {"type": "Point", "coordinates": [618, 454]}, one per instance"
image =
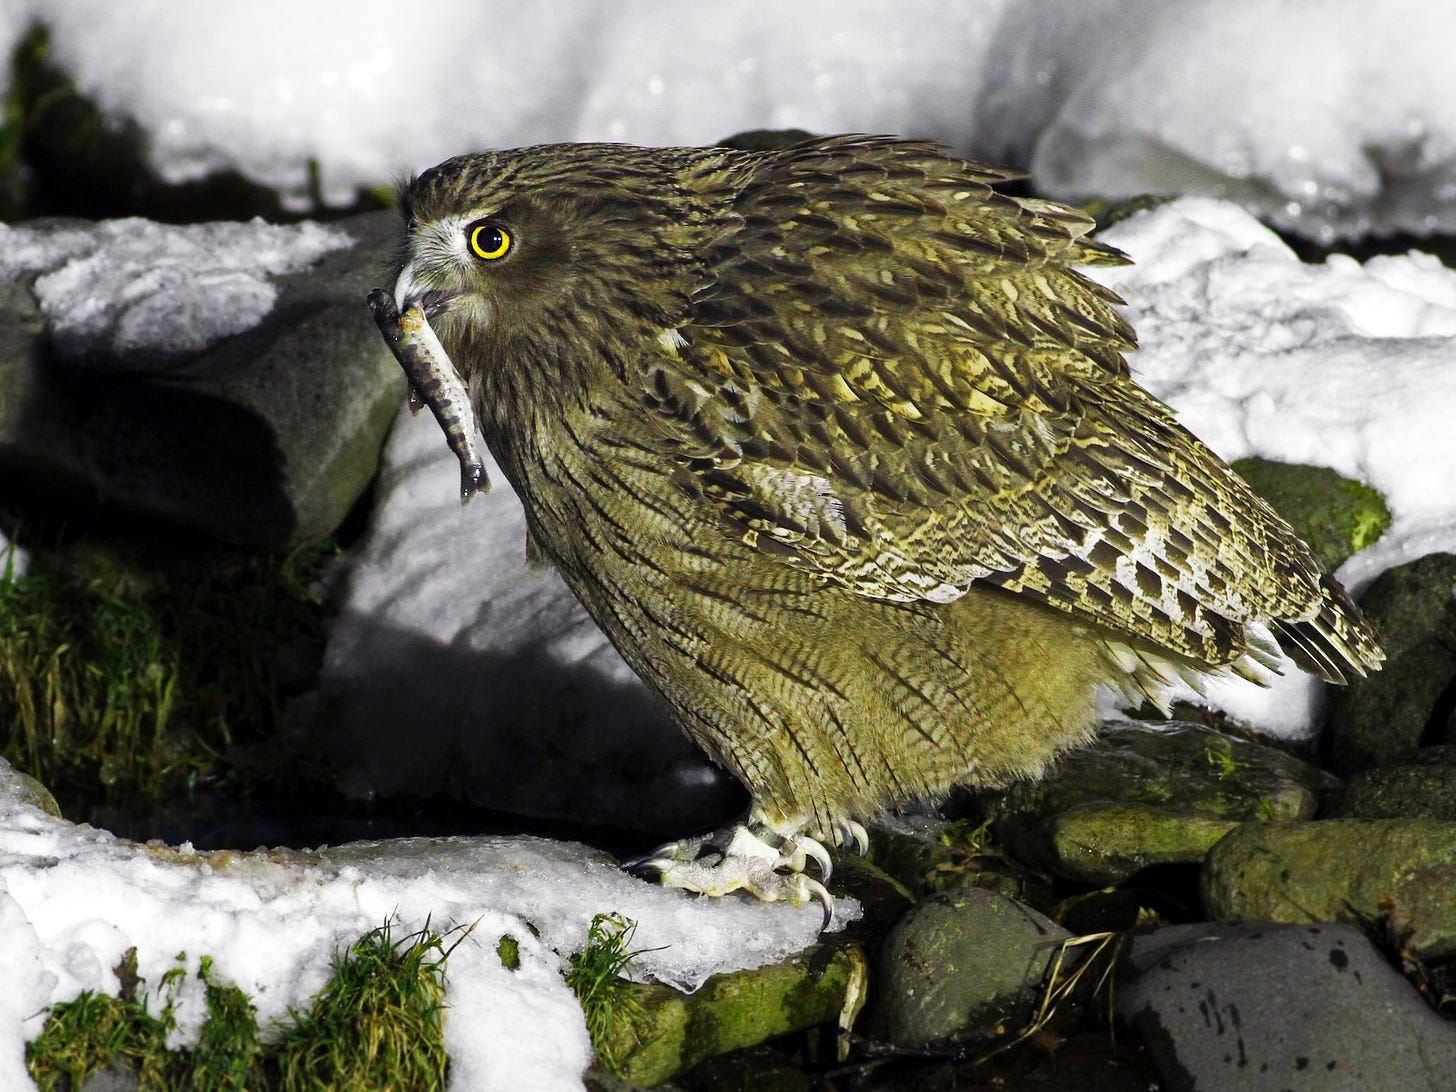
{"type": "Point", "coordinates": [488, 240]}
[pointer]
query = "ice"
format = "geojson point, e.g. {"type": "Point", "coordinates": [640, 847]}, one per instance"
{"type": "Point", "coordinates": [1333, 118]}
{"type": "Point", "coordinates": [73, 900]}
{"type": "Point", "coordinates": [135, 285]}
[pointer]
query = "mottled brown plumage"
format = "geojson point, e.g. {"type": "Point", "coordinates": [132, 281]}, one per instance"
{"type": "Point", "coordinates": [842, 453]}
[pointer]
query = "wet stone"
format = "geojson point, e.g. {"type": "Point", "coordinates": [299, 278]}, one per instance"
{"type": "Point", "coordinates": [1259, 1006]}
{"type": "Point", "coordinates": [962, 962]}
{"type": "Point", "coordinates": [1416, 791]}
{"type": "Point", "coordinates": [1150, 793]}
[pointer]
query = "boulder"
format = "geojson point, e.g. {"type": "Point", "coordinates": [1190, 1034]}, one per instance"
{"type": "Point", "coordinates": [1255, 1006]}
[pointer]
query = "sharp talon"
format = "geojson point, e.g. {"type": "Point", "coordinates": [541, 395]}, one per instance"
{"type": "Point", "coordinates": [819, 854]}
{"type": "Point", "coordinates": [856, 833]}
{"type": "Point", "coordinates": [650, 867]}
{"type": "Point", "coordinates": [802, 889]}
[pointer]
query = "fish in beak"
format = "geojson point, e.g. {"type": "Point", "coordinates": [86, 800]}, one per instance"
{"type": "Point", "coordinates": [434, 381]}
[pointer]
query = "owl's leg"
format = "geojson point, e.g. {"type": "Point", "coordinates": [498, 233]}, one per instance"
{"type": "Point", "coordinates": [764, 857]}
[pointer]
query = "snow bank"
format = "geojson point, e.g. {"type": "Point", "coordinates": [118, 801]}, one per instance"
{"type": "Point", "coordinates": [1333, 118]}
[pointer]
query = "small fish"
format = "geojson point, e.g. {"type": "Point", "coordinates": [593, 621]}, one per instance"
{"type": "Point", "coordinates": [434, 382]}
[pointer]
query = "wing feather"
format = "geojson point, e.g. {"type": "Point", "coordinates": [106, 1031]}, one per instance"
{"type": "Point", "coordinates": [893, 375]}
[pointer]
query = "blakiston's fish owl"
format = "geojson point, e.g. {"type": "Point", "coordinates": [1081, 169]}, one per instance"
{"type": "Point", "coordinates": [842, 453]}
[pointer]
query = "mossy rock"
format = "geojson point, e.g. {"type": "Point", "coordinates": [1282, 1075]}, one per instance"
{"type": "Point", "coordinates": [1401, 872]}
{"type": "Point", "coordinates": [1336, 516]}
{"type": "Point", "coordinates": [1424, 790]}
{"type": "Point", "coordinates": [673, 1031]}
{"type": "Point", "coordinates": [962, 964]}
{"type": "Point", "coordinates": [1150, 793]}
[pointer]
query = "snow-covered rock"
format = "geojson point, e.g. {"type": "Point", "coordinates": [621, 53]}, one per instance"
{"type": "Point", "coordinates": [73, 900]}
{"type": "Point", "coordinates": [225, 376]}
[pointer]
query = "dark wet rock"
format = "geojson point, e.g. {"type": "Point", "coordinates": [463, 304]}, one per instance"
{"type": "Point", "coordinates": [1263, 1006]}
{"type": "Point", "coordinates": [1384, 718]}
{"type": "Point", "coordinates": [960, 962]}
{"type": "Point", "coordinates": [1336, 516]}
{"type": "Point", "coordinates": [264, 437]}
{"type": "Point", "coordinates": [1417, 791]}
{"type": "Point", "coordinates": [674, 1031]}
{"type": "Point", "coordinates": [1150, 793]}
{"type": "Point", "coordinates": [1401, 872]}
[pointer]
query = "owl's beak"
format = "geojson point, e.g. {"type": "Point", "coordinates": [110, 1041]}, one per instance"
{"type": "Point", "coordinates": [408, 293]}
{"type": "Point", "coordinates": [404, 290]}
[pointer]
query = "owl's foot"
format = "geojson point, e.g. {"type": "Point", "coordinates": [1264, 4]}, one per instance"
{"type": "Point", "coordinates": [752, 856]}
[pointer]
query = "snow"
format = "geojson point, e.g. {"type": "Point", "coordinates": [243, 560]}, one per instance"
{"type": "Point", "coordinates": [129, 285]}
{"type": "Point", "coordinates": [1334, 118]}
{"type": "Point", "coordinates": [73, 899]}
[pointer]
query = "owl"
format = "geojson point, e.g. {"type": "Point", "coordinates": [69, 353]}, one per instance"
{"type": "Point", "coordinates": [841, 451]}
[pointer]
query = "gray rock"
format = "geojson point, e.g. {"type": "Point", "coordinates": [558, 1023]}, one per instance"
{"type": "Point", "coordinates": [1401, 872]}
{"type": "Point", "coordinates": [1149, 793]}
{"type": "Point", "coordinates": [962, 961]}
{"type": "Point", "coordinates": [263, 435]}
{"type": "Point", "coordinates": [1302, 1007]}
{"type": "Point", "coordinates": [1418, 791]}
{"type": "Point", "coordinates": [1384, 718]}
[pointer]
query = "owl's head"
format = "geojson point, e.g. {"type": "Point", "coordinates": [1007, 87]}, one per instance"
{"type": "Point", "coordinates": [544, 252]}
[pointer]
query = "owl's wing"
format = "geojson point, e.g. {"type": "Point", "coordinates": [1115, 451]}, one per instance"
{"type": "Point", "coordinates": [893, 377]}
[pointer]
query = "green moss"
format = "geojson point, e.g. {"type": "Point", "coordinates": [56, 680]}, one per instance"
{"type": "Point", "coordinates": [509, 950]}
{"type": "Point", "coordinates": [121, 683]}
{"type": "Point", "coordinates": [1336, 516]}
{"type": "Point", "coordinates": [672, 1031]}
{"type": "Point", "coordinates": [95, 1032]}
{"type": "Point", "coordinates": [227, 1057]}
